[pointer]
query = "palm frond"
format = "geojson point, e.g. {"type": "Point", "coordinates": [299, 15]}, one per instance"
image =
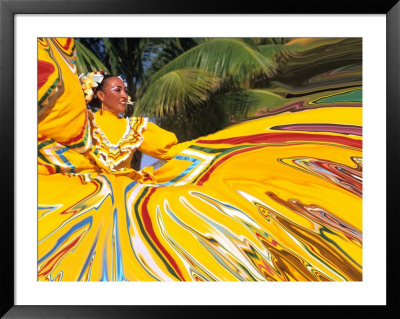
{"type": "Point", "coordinates": [86, 60]}
{"type": "Point", "coordinates": [270, 51]}
{"type": "Point", "coordinates": [247, 104]}
{"type": "Point", "coordinates": [227, 58]}
{"type": "Point", "coordinates": [161, 51]}
{"type": "Point", "coordinates": [175, 91]}
{"type": "Point", "coordinates": [114, 56]}
{"type": "Point", "coordinates": [264, 99]}
{"type": "Point", "coordinates": [243, 104]}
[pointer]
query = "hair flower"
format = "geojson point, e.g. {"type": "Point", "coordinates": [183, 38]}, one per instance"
{"type": "Point", "coordinates": [89, 83]}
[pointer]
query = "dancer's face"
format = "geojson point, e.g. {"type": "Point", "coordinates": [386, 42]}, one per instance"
{"type": "Point", "coordinates": [113, 95]}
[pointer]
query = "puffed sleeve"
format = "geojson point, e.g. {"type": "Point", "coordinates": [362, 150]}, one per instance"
{"type": "Point", "coordinates": [161, 143]}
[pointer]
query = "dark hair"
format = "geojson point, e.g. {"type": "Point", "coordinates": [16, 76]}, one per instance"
{"type": "Point", "coordinates": [95, 103]}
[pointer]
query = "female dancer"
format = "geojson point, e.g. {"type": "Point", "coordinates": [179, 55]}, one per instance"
{"type": "Point", "coordinates": [74, 140]}
{"type": "Point", "coordinates": [277, 198]}
{"type": "Point", "coordinates": [116, 138]}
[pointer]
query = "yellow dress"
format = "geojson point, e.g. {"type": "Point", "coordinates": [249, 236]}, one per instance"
{"type": "Point", "coordinates": [88, 142]}
{"type": "Point", "coordinates": [116, 139]}
{"type": "Point", "coordinates": [273, 199]}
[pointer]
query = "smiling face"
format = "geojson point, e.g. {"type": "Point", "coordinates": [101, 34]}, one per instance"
{"type": "Point", "coordinates": [113, 95]}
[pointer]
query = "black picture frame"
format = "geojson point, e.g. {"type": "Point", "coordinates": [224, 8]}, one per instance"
{"type": "Point", "coordinates": [8, 10]}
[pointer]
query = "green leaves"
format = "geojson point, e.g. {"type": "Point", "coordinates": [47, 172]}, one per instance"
{"type": "Point", "coordinates": [243, 104]}
{"type": "Point", "coordinates": [272, 51]}
{"type": "Point", "coordinates": [198, 86]}
{"type": "Point", "coordinates": [175, 91]}
{"type": "Point", "coordinates": [231, 59]}
{"type": "Point", "coordinates": [87, 61]}
{"type": "Point", "coordinates": [191, 78]}
{"type": "Point", "coordinates": [114, 56]}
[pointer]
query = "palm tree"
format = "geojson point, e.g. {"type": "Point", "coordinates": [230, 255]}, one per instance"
{"type": "Point", "coordinates": [133, 58]}
{"type": "Point", "coordinates": [87, 61]}
{"type": "Point", "coordinates": [230, 78]}
{"type": "Point", "coordinates": [182, 94]}
{"type": "Point", "coordinates": [180, 82]}
{"type": "Point", "coordinates": [122, 56]}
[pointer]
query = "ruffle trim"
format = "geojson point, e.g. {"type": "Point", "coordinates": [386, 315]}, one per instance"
{"type": "Point", "coordinates": [131, 133]}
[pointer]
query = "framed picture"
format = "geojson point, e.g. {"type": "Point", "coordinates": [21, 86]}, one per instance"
{"type": "Point", "coordinates": [21, 25]}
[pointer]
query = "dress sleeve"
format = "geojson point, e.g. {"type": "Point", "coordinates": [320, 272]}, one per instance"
{"type": "Point", "coordinates": [62, 114]}
{"type": "Point", "coordinates": [63, 131]}
{"type": "Point", "coordinates": [161, 143]}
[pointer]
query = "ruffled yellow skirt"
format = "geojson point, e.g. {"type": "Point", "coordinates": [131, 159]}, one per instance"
{"type": "Point", "coordinates": [277, 198]}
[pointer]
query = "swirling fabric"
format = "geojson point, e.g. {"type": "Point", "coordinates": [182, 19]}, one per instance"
{"type": "Point", "coordinates": [277, 198]}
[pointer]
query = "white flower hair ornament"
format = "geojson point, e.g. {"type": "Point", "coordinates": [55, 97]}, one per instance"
{"type": "Point", "coordinates": [89, 83]}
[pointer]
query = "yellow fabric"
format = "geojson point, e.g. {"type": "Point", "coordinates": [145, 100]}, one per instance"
{"type": "Point", "coordinates": [69, 111]}
{"type": "Point", "coordinates": [282, 218]}
{"type": "Point", "coordinates": [63, 125]}
{"type": "Point", "coordinates": [113, 126]}
{"type": "Point", "coordinates": [160, 143]}
{"type": "Point", "coordinates": [115, 140]}
{"type": "Point", "coordinates": [262, 200]}
{"type": "Point", "coordinates": [146, 136]}
{"type": "Point", "coordinates": [72, 139]}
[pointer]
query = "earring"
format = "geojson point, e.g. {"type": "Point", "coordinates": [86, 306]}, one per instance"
{"type": "Point", "coordinates": [102, 108]}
